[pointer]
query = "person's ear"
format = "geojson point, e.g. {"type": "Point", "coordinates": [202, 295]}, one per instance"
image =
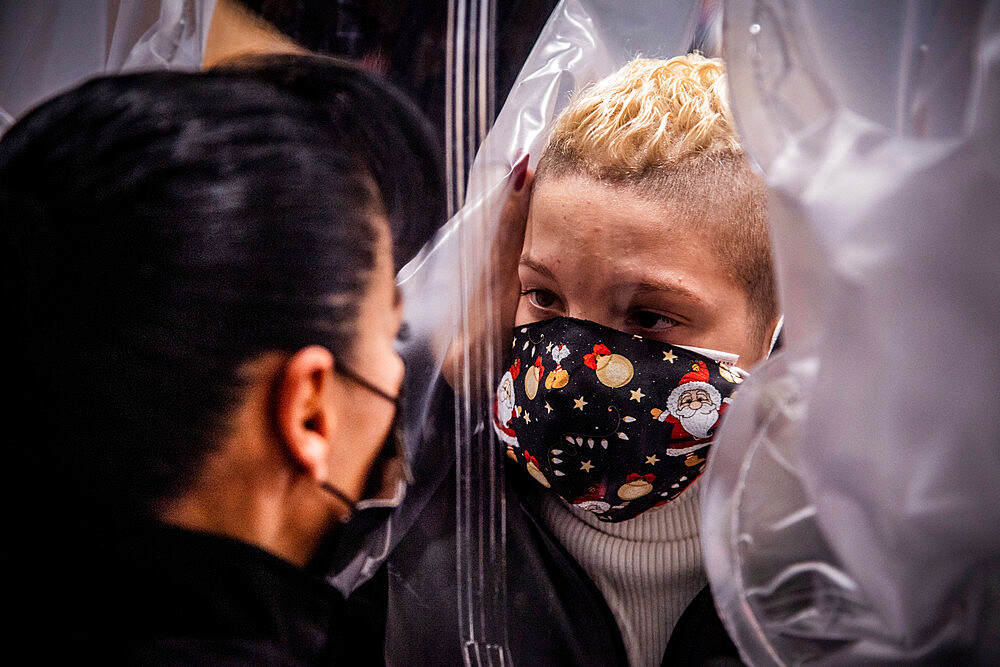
{"type": "Point", "coordinates": [303, 407]}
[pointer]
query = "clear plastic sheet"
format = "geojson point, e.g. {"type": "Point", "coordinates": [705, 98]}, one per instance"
{"type": "Point", "coordinates": [47, 46]}
{"type": "Point", "coordinates": [851, 507]}
{"type": "Point", "coordinates": [446, 303]}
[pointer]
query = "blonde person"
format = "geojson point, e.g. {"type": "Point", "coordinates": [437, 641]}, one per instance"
{"type": "Point", "coordinates": [643, 286]}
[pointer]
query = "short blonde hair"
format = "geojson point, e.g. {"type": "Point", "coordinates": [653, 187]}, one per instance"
{"type": "Point", "coordinates": [648, 114]}
{"type": "Point", "coordinates": [663, 128]}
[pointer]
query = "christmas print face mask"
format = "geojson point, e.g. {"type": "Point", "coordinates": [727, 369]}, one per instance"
{"type": "Point", "coordinates": [614, 423]}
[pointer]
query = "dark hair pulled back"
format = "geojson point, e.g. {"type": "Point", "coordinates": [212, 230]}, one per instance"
{"type": "Point", "coordinates": [163, 229]}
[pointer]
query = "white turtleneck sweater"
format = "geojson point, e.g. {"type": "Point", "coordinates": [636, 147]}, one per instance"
{"type": "Point", "coordinates": [648, 568]}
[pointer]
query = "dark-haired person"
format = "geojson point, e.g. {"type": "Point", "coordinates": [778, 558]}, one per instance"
{"type": "Point", "coordinates": [200, 268]}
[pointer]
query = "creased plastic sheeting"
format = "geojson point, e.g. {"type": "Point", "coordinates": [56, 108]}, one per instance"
{"type": "Point", "coordinates": [176, 40]}
{"type": "Point", "coordinates": [851, 506]}
{"type": "Point", "coordinates": [48, 46]}
{"type": "Point", "coordinates": [582, 41]}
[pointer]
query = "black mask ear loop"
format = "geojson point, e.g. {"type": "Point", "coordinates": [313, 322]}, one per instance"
{"type": "Point", "coordinates": [348, 373]}
{"type": "Point", "coordinates": [273, 418]}
{"type": "Point", "coordinates": [341, 496]}
{"type": "Point", "coordinates": [391, 448]}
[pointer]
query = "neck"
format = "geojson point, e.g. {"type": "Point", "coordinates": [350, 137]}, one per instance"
{"type": "Point", "coordinates": [287, 521]}
{"type": "Point", "coordinates": [235, 31]}
{"type": "Point", "coordinates": [648, 568]}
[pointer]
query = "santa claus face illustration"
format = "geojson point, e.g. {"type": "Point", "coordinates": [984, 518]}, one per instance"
{"type": "Point", "coordinates": [696, 407]}
{"type": "Point", "coordinates": [504, 408]}
{"type": "Point", "coordinates": [505, 398]}
{"type": "Point", "coordinates": [593, 499]}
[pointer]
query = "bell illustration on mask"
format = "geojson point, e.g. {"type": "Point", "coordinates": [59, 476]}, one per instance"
{"type": "Point", "coordinates": [613, 370]}
{"type": "Point", "coordinates": [636, 486]}
{"type": "Point", "coordinates": [533, 378]}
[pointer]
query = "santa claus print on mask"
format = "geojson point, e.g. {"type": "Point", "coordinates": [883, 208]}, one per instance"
{"type": "Point", "coordinates": [693, 408]}
{"type": "Point", "coordinates": [504, 409]}
{"type": "Point", "coordinates": [620, 424]}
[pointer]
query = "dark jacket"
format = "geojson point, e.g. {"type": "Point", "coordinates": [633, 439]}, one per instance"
{"type": "Point", "coordinates": [556, 616]}
{"type": "Point", "coordinates": [161, 595]}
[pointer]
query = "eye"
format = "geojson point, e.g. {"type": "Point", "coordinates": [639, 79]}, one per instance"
{"type": "Point", "coordinates": [540, 298]}
{"type": "Point", "coordinates": [651, 320]}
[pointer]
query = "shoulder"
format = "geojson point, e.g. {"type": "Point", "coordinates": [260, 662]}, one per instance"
{"type": "Point", "coordinates": [699, 638]}
{"type": "Point", "coordinates": [201, 651]}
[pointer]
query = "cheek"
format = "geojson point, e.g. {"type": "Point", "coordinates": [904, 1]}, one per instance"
{"type": "Point", "coordinates": [397, 366]}
{"type": "Point", "coordinates": [749, 348]}
{"type": "Point", "coordinates": [733, 331]}
{"type": "Point", "coordinates": [523, 314]}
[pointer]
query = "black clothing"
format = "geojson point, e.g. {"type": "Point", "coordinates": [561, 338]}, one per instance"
{"type": "Point", "coordinates": [557, 616]}
{"type": "Point", "coordinates": [699, 638]}
{"type": "Point", "coordinates": [162, 595]}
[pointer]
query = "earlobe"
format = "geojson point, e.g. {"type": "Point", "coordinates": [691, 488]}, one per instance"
{"type": "Point", "coordinates": [303, 414]}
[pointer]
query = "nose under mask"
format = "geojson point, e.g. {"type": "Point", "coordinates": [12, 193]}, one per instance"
{"type": "Point", "coordinates": [615, 424]}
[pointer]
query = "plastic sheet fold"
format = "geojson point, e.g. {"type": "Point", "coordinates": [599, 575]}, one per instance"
{"type": "Point", "coordinates": [850, 508]}
{"type": "Point", "coordinates": [443, 287]}
{"type": "Point", "coordinates": [48, 46]}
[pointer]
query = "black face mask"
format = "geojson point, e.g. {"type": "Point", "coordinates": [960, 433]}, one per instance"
{"type": "Point", "coordinates": [382, 485]}
{"type": "Point", "coordinates": [613, 423]}
{"type": "Point", "coordinates": [384, 489]}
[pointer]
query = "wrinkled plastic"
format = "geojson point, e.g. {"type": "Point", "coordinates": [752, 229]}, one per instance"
{"type": "Point", "coordinates": [851, 506]}
{"type": "Point", "coordinates": [47, 46]}
{"type": "Point", "coordinates": [582, 41]}
{"type": "Point", "coordinates": [176, 40]}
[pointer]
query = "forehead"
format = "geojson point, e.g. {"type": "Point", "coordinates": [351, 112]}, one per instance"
{"type": "Point", "coordinates": [578, 222]}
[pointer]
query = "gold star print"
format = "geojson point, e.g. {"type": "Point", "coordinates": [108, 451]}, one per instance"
{"type": "Point", "coordinates": [548, 348]}
{"type": "Point", "coordinates": [578, 403]}
{"type": "Point", "coordinates": [527, 418]}
{"type": "Point", "coordinates": [637, 395]}
{"type": "Point", "coordinates": [669, 356]}
{"type": "Point", "coordinates": [586, 466]}
{"type": "Point", "coordinates": [652, 460]}
{"type": "Point", "coordinates": [548, 408]}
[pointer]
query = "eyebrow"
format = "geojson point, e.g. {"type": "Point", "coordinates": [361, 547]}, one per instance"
{"type": "Point", "coordinates": [643, 286]}
{"type": "Point", "coordinates": [671, 286]}
{"type": "Point", "coordinates": [537, 267]}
